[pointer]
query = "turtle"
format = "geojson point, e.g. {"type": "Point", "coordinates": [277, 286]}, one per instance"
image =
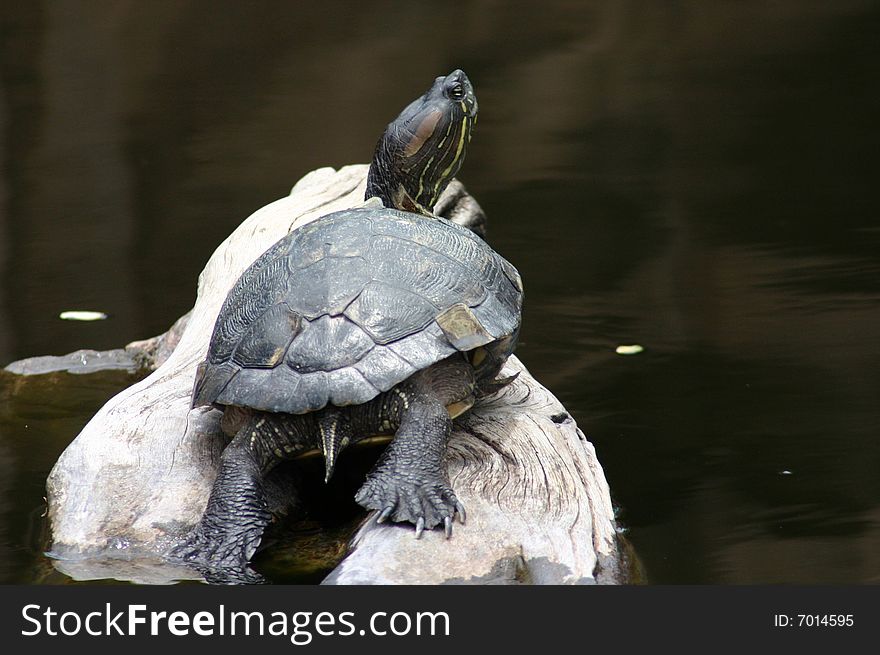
{"type": "Point", "coordinates": [379, 319]}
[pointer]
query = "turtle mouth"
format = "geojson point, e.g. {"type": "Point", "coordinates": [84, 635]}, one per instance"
{"type": "Point", "coordinates": [470, 106]}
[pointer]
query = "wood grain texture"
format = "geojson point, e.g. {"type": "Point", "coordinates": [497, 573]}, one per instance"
{"type": "Point", "coordinates": [538, 506]}
{"type": "Point", "coordinates": [140, 472]}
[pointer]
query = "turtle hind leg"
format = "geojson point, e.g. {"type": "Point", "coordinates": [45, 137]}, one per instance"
{"type": "Point", "coordinates": [409, 482]}
{"type": "Point", "coordinates": [223, 541]}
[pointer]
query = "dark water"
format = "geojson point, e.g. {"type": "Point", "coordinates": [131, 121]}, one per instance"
{"type": "Point", "coordinates": [698, 178]}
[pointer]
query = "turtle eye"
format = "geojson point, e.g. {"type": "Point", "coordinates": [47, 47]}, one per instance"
{"type": "Point", "coordinates": [456, 91]}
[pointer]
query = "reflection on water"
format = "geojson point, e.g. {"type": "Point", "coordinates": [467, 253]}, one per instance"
{"type": "Point", "coordinates": [693, 177]}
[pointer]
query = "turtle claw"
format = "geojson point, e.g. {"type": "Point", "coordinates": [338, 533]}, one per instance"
{"type": "Point", "coordinates": [425, 505]}
{"type": "Point", "coordinates": [462, 515]}
{"type": "Point", "coordinates": [384, 514]}
{"type": "Point", "coordinates": [489, 387]}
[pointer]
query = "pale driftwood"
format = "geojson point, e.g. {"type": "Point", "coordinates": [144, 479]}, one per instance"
{"type": "Point", "coordinates": [538, 509]}
{"type": "Point", "coordinates": [139, 473]}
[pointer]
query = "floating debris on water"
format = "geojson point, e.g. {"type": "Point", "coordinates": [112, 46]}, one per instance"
{"type": "Point", "coordinates": [785, 472]}
{"type": "Point", "coordinates": [633, 349]}
{"type": "Point", "coordinates": [82, 316]}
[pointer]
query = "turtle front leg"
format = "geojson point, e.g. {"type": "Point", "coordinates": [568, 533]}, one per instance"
{"type": "Point", "coordinates": [222, 543]}
{"type": "Point", "coordinates": [409, 482]}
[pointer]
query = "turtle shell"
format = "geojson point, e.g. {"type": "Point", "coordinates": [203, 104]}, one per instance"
{"type": "Point", "coordinates": [351, 305]}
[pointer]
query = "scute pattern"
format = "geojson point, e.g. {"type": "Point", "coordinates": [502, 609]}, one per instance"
{"type": "Point", "coordinates": [259, 288]}
{"type": "Point", "coordinates": [345, 308]}
{"type": "Point", "coordinates": [423, 348]}
{"type": "Point", "coordinates": [328, 286]}
{"type": "Point", "coordinates": [348, 386]}
{"type": "Point", "coordinates": [440, 279]}
{"type": "Point", "coordinates": [265, 341]}
{"type": "Point", "coordinates": [328, 343]}
{"type": "Point", "coordinates": [340, 238]}
{"type": "Point", "coordinates": [387, 312]}
{"type": "Point", "coordinates": [381, 365]}
{"type": "Point", "coordinates": [270, 390]}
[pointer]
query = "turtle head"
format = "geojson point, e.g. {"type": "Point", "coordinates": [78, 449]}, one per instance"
{"type": "Point", "coordinates": [423, 148]}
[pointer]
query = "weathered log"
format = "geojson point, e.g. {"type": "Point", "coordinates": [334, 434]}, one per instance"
{"type": "Point", "coordinates": [139, 474]}
{"type": "Point", "coordinates": [537, 502]}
